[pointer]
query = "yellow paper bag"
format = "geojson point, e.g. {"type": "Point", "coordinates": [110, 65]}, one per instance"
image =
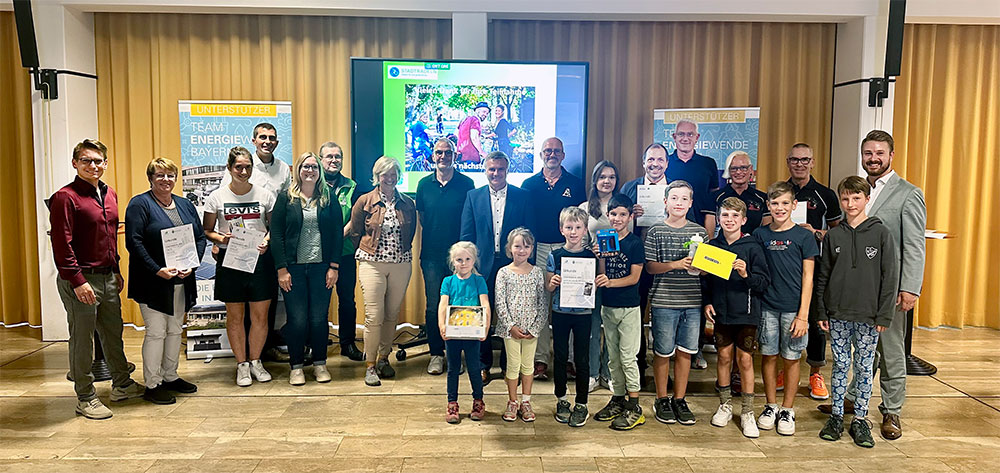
{"type": "Point", "coordinates": [714, 260]}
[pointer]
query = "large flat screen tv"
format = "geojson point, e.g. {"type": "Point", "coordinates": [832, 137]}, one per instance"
{"type": "Point", "coordinates": [400, 107]}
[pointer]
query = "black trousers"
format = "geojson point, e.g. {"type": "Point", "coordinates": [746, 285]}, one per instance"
{"type": "Point", "coordinates": [645, 284]}
{"type": "Point", "coordinates": [486, 347]}
{"type": "Point", "coordinates": [579, 326]}
{"type": "Point", "coordinates": [347, 311]}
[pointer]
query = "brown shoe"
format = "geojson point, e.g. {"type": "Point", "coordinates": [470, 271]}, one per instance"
{"type": "Point", "coordinates": [828, 408]}
{"type": "Point", "coordinates": [486, 377]}
{"type": "Point", "coordinates": [891, 428]}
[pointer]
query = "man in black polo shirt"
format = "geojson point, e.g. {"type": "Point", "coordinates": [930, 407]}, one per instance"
{"type": "Point", "coordinates": [740, 173]}
{"type": "Point", "coordinates": [551, 190]}
{"type": "Point", "coordinates": [440, 197]}
{"type": "Point", "coordinates": [698, 170]}
{"type": "Point", "coordinates": [822, 213]}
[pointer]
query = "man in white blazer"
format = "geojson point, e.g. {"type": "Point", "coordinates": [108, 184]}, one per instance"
{"type": "Point", "coordinates": [900, 205]}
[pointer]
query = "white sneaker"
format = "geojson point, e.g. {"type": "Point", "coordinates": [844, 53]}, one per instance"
{"type": "Point", "coordinates": [594, 384]}
{"type": "Point", "coordinates": [767, 417]}
{"type": "Point", "coordinates": [749, 425]}
{"type": "Point", "coordinates": [321, 373]}
{"type": "Point", "coordinates": [297, 377]}
{"type": "Point", "coordinates": [243, 375]}
{"type": "Point", "coordinates": [786, 422]}
{"type": "Point", "coordinates": [723, 415]}
{"type": "Point", "coordinates": [93, 409]}
{"type": "Point", "coordinates": [258, 371]}
{"type": "Point", "coordinates": [436, 365]}
{"type": "Point", "coordinates": [698, 362]}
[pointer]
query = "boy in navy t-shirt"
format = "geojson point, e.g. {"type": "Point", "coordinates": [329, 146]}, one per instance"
{"type": "Point", "coordinates": [622, 318]}
{"type": "Point", "coordinates": [789, 250]}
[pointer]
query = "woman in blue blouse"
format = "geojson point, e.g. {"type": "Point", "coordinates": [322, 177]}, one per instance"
{"type": "Point", "coordinates": [164, 293]}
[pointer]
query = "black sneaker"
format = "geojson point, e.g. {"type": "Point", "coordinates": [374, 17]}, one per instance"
{"type": "Point", "coordinates": [563, 412]}
{"type": "Point", "coordinates": [663, 412]}
{"type": "Point", "coordinates": [861, 432]}
{"type": "Point", "coordinates": [630, 418]}
{"type": "Point", "coordinates": [180, 386]}
{"type": "Point", "coordinates": [833, 429]}
{"type": "Point", "coordinates": [579, 416]}
{"type": "Point", "coordinates": [684, 415]}
{"type": "Point", "coordinates": [159, 395]}
{"type": "Point", "coordinates": [615, 408]}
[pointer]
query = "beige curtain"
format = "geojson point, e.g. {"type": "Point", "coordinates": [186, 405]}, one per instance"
{"type": "Point", "coordinates": [19, 291]}
{"type": "Point", "coordinates": [147, 62]}
{"type": "Point", "coordinates": [784, 68]}
{"type": "Point", "coordinates": [946, 124]}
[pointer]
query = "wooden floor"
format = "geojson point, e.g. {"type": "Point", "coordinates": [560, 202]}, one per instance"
{"type": "Point", "coordinates": [951, 423]}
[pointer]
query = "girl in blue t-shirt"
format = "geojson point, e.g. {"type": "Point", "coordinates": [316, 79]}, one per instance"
{"type": "Point", "coordinates": [465, 288]}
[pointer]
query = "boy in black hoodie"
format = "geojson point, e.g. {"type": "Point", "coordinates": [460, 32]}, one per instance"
{"type": "Point", "coordinates": [733, 305]}
{"type": "Point", "coordinates": [855, 296]}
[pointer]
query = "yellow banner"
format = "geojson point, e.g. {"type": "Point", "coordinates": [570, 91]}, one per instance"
{"type": "Point", "coordinates": [702, 115]}
{"type": "Point", "coordinates": [238, 109]}
{"type": "Point", "coordinates": [714, 260]}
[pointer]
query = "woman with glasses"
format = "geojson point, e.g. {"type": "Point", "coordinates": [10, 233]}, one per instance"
{"type": "Point", "coordinates": [739, 174]}
{"type": "Point", "coordinates": [164, 293]}
{"type": "Point", "coordinates": [307, 232]}
{"type": "Point", "coordinates": [242, 204]}
{"type": "Point", "coordinates": [383, 222]}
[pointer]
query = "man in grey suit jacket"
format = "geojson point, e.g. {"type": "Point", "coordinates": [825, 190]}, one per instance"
{"type": "Point", "coordinates": [900, 205]}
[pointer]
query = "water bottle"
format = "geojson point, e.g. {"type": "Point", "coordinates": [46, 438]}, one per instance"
{"type": "Point", "coordinates": [695, 240]}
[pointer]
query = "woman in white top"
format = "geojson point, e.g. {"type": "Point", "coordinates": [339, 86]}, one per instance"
{"type": "Point", "coordinates": [242, 204]}
{"type": "Point", "coordinates": [604, 185]}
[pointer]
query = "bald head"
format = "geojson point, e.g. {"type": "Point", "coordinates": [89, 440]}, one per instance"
{"type": "Point", "coordinates": [552, 153]}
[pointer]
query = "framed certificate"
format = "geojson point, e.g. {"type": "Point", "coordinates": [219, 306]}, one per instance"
{"type": "Point", "coordinates": [465, 322]}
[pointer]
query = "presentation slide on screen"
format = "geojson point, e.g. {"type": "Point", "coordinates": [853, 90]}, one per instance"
{"type": "Point", "coordinates": [482, 107]}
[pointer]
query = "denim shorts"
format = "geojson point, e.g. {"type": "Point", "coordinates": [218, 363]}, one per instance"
{"type": "Point", "coordinates": [675, 329]}
{"type": "Point", "coordinates": [775, 335]}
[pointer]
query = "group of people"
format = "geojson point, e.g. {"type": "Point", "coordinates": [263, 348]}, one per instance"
{"type": "Point", "coordinates": [788, 289]}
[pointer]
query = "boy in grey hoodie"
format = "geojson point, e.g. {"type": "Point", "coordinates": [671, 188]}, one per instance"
{"type": "Point", "coordinates": [854, 299]}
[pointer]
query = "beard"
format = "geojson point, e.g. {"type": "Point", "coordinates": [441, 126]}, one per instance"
{"type": "Point", "coordinates": [877, 171]}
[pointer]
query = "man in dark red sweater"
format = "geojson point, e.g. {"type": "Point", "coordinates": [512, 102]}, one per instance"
{"type": "Point", "coordinates": [84, 219]}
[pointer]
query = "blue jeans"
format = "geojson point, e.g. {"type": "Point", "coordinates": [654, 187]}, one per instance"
{"type": "Point", "coordinates": [598, 346]}
{"type": "Point", "coordinates": [454, 350]}
{"type": "Point", "coordinates": [434, 271]}
{"type": "Point", "coordinates": [675, 329]}
{"type": "Point", "coordinates": [307, 306]}
{"type": "Point", "coordinates": [775, 335]}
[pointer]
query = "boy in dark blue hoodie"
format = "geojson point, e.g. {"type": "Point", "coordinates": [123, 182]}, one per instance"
{"type": "Point", "coordinates": [733, 305]}
{"type": "Point", "coordinates": [855, 298]}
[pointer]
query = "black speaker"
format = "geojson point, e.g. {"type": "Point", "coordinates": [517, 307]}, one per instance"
{"type": "Point", "coordinates": [894, 38]}
{"type": "Point", "coordinates": [26, 33]}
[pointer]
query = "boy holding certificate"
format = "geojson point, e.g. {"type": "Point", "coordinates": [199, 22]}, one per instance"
{"type": "Point", "coordinates": [567, 320]}
{"type": "Point", "coordinates": [733, 305]}
{"type": "Point", "coordinates": [784, 328]}
{"type": "Point", "coordinates": [676, 301]}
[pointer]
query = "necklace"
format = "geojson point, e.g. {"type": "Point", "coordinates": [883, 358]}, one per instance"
{"type": "Point", "coordinates": [158, 201]}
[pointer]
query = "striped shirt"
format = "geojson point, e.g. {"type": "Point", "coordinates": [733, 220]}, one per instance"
{"type": "Point", "coordinates": [673, 289]}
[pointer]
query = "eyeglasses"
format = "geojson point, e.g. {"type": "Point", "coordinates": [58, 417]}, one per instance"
{"type": "Point", "coordinates": [800, 160]}
{"type": "Point", "coordinates": [310, 167]}
{"type": "Point", "coordinates": [267, 138]}
{"type": "Point", "coordinates": [161, 177]}
{"type": "Point", "coordinates": [89, 161]}
{"type": "Point", "coordinates": [684, 134]}
{"type": "Point", "coordinates": [551, 151]}
{"type": "Point", "coordinates": [444, 152]}
{"type": "Point", "coordinates": [242, 167]}
{"type": "Point", "coordinates": [334, 157]}
{"type": "Point", "coordinates": [740, 168]}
